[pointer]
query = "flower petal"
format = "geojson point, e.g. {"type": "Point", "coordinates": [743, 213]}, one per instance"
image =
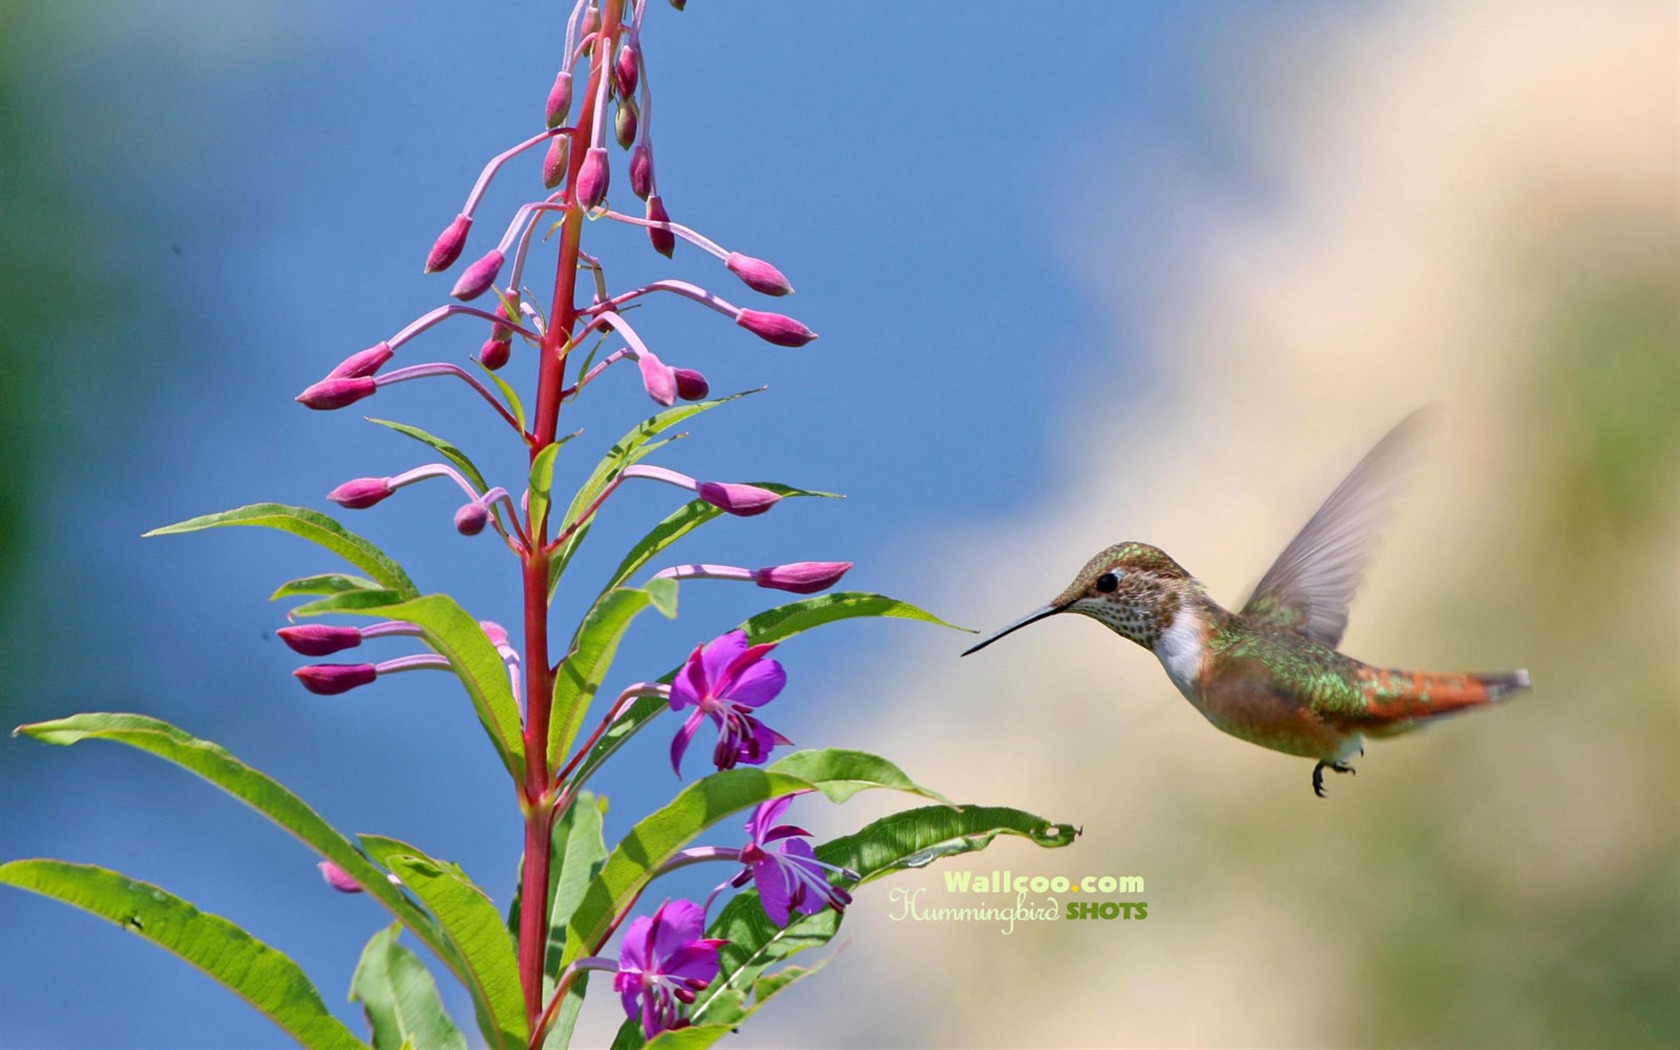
{"type": "Point", "coordinates": [774, 888]}
{"type": "Point", "coordinates": [758, 684]}
{"type": "Point", "coordinates": [765, 816]}
{"type": "Point", "coordinates": [676, 924]}
{"type": "Point", "coordinates": [720, 652]}
{"type": "Point", "coordinates": [679, 743]}
{"type": "Point", "coordinates": [632, 955]}
{"type": "Point", "coordinates": [690, 684]}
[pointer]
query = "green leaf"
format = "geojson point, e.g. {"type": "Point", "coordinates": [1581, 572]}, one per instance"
{"type": "Point", "coordinates": [455, 635]}
{"type": "Point", "coordinates": [840, 773]}
{"type": "Point", "coordinates": [684, 520]}
{"type": "Point", "coordinates": [585, 666]}
{"type": "Point", "coordinates": [580, 849]}
{"type": "Point", "coordinates": [474, 927]}
{"type": "Point", "coordinates": [542, 480]}
{"type": "Point", "coordinates": [911, 838]}
{"type": "Point", "coordinates": [257, 790]}
{"type": "Point", "coordinates": [354, 603]}
{"type": "Point", "coordinates": [448, 451]}
{"type": "Point", "coordinates": [400, 999]}
{"type": "Point", "coordinates": [658, 836]}
{"type": "Point", "coordinates": [515, 406]}
{"type": "Point", "coordinates": [772, 625]}
{"type": "Point", "coordinates": [629, 449]}
{"type": "Point", "coordinates": [263, 977]}
{"type": "Point", "coordinates": [316, 528]}
{"type": "Point", "coordinates": [326, 583]}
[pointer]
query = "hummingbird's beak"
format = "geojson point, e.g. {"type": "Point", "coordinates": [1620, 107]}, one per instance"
{"type": "Point", "coordinates": [1032, 617]}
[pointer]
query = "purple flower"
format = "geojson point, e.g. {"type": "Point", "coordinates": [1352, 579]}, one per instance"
{"type": "Point", "coordinates": [775, 328]}
{"type": "Point", "coordinates": [555, 160]}
{"type": "Point", "coordinates": [478, 277]}
{"type": "Point", "coordinates": [447, 248]}
{"type": "Point", "coordinates": [361, 493]}
{"type": "Point", "coordinates": [641, 171]}
{"type": "Point", "coordinates": [664, 241]}
{"type": "Point", "coordinates": [626, 71]}
{"type": "Point", "coordinates": [332, 679]}
{"type": "Point", "coordinates": [691, 385]}
{"type": "Point", "coordinates": [738, 499]}
{"type": "Point", "coordinates": [593, 177]}
{"type": "Point", "coordinates": [802, 577]}
{"type": "Point", "coordinates": [363, 363]}
{"type": "Point", "coordinates": [559, 99]}
{"type": "Point", "coordinates": [336, 392]}
{"type": "Point", "coordinates": [338, 878]}
{"type": "Point", "coordinates": [757, 274]}
{"type": "Point", "coordinates": [791, 878]}
{"type": "Point", "coordinates": [495, 352]}
{"type": "Point", "coordinates": [319, 639]}
{"type": "Point", "coordinates": [471, 518]}
{"type": "Point", "coordinates": [725, 680]}
{"type": "Point", "coordinates": [663, 962]}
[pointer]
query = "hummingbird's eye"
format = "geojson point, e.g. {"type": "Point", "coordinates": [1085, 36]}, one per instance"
{"type": "Point", "coordinates": [1107, 582]}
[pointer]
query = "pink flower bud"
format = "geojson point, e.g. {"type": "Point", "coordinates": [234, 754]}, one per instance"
{"type": "Point", "coordinates": [591, 21]}
{"type": "Point", "coordinates": [691, 385]}
{"type": "Point", "coordinates": [759, 275]}
{"type": "Point", "coordinates": [447, 248]}
{"type": "Point", "coordinates": [494, 353]}
{"type": "Point", "coordinates": [802, 577]}
{"type": "Point", "coordinates": [337, 392]}
{"type": "Point", "coordinates": [559, 99]}
{"type": "Point", "coordinates": [479, 276]}
{"type": "Point", "coordinates": [593, 178]}
{"type": "Point", "coordinates": [338, 878]}
{"type": "Point", "coordinates": [363, 362]}
{"type": "Point", "coordinates": [319, 639]}
{"type": "Point", "coordinates": [555, 160]}
{"type": "Point", "coordinates": [664, 241]}
{"type": "Point", "coordinates": [624, 122]}
{"type": "Point", "coordinates": [641, 171]}
{"type": "Point", "coordinates": [471, 519]}
{"type": "Point", "coordinates": [495, 632]}
{"type": "Point", "coordinates": [361, 493]}
{"type": "Point", "coordinates": [657, 376]}
{"type": "Point", "coordinates": [775, 328]}
{"type": "Point", "coordinates": [332, 679]}
{"type": "Point", "coordinates": [741, 500]}
{"type": "Point", "coordinates": [626, 71]}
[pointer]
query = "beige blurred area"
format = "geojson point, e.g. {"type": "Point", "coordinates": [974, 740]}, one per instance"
{"type": "Point", "coordinates": [1474, 205]}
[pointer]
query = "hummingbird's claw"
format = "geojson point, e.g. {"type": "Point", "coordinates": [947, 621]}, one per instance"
{"type": "Point", "coordinates": [1334, 767]}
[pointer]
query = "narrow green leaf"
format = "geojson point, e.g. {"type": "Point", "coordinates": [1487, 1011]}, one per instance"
{"type": "Point", "coordinates": [473, 925]}
{"type": "Point", "coordinates": [515, 406]}
{"type": "Point", "coordinates": [325, 583]}
{"type": "Point", "coordinates": [455, 635]}
{"type": "Point", "coordinates": [910, 838]}
{"type": "Point", "coordinates": [772, 625]}
{"type": "Point", "coordinates": [585, 666]}
{"type": "Point", "coordinates": [542, 480]}
{"type": "Point", "coordinates": [629, 449]}
{"type": "Point", "coordinates": [658, 836]}
{"type": "Point", "coordinates": [580, 849]}
{"type": "Point", "coordinates": [354, 603]}
{"type": "Point", "coordinates": [400, 999]}
{"type": "Point", "coordinates": [684, 520]}
{"type": "Point", "coordinates": [448, 451]}
{"type": "Point", "coordinates": [313, 526]}
{"type": "Point", "coordinates": [257, 790]}
{"type": "Point", "coordinates": [262, 976]}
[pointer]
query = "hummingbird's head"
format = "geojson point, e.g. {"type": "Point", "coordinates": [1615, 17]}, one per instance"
{"type": "Point", "coordinates": [1132, 588]}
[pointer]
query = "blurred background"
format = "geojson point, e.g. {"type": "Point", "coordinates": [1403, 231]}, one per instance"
{"type": "Point", "coordinates": [1155, 271]}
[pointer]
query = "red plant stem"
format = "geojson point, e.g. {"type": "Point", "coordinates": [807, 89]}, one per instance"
{"type": "Point", "coordinates": [539, 672]}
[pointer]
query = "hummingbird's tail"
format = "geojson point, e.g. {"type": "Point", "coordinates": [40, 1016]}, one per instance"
{"type": "Point", "coordinates": [1396, 701]}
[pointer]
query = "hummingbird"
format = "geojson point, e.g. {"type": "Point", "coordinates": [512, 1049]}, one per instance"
{"type": "Point", "coordinates": [1270, 673]}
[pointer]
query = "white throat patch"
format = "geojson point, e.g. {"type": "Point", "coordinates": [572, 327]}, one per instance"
{"type": "Point", "coordinates": [1180, 649]}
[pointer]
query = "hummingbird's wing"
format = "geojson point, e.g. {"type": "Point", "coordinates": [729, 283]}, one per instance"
{"type": "Point", "coordinates": [1309, 587]}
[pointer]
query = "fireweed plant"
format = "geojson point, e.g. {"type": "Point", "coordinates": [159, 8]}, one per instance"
{"type": "Point", "coordinates": [701, 967]}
